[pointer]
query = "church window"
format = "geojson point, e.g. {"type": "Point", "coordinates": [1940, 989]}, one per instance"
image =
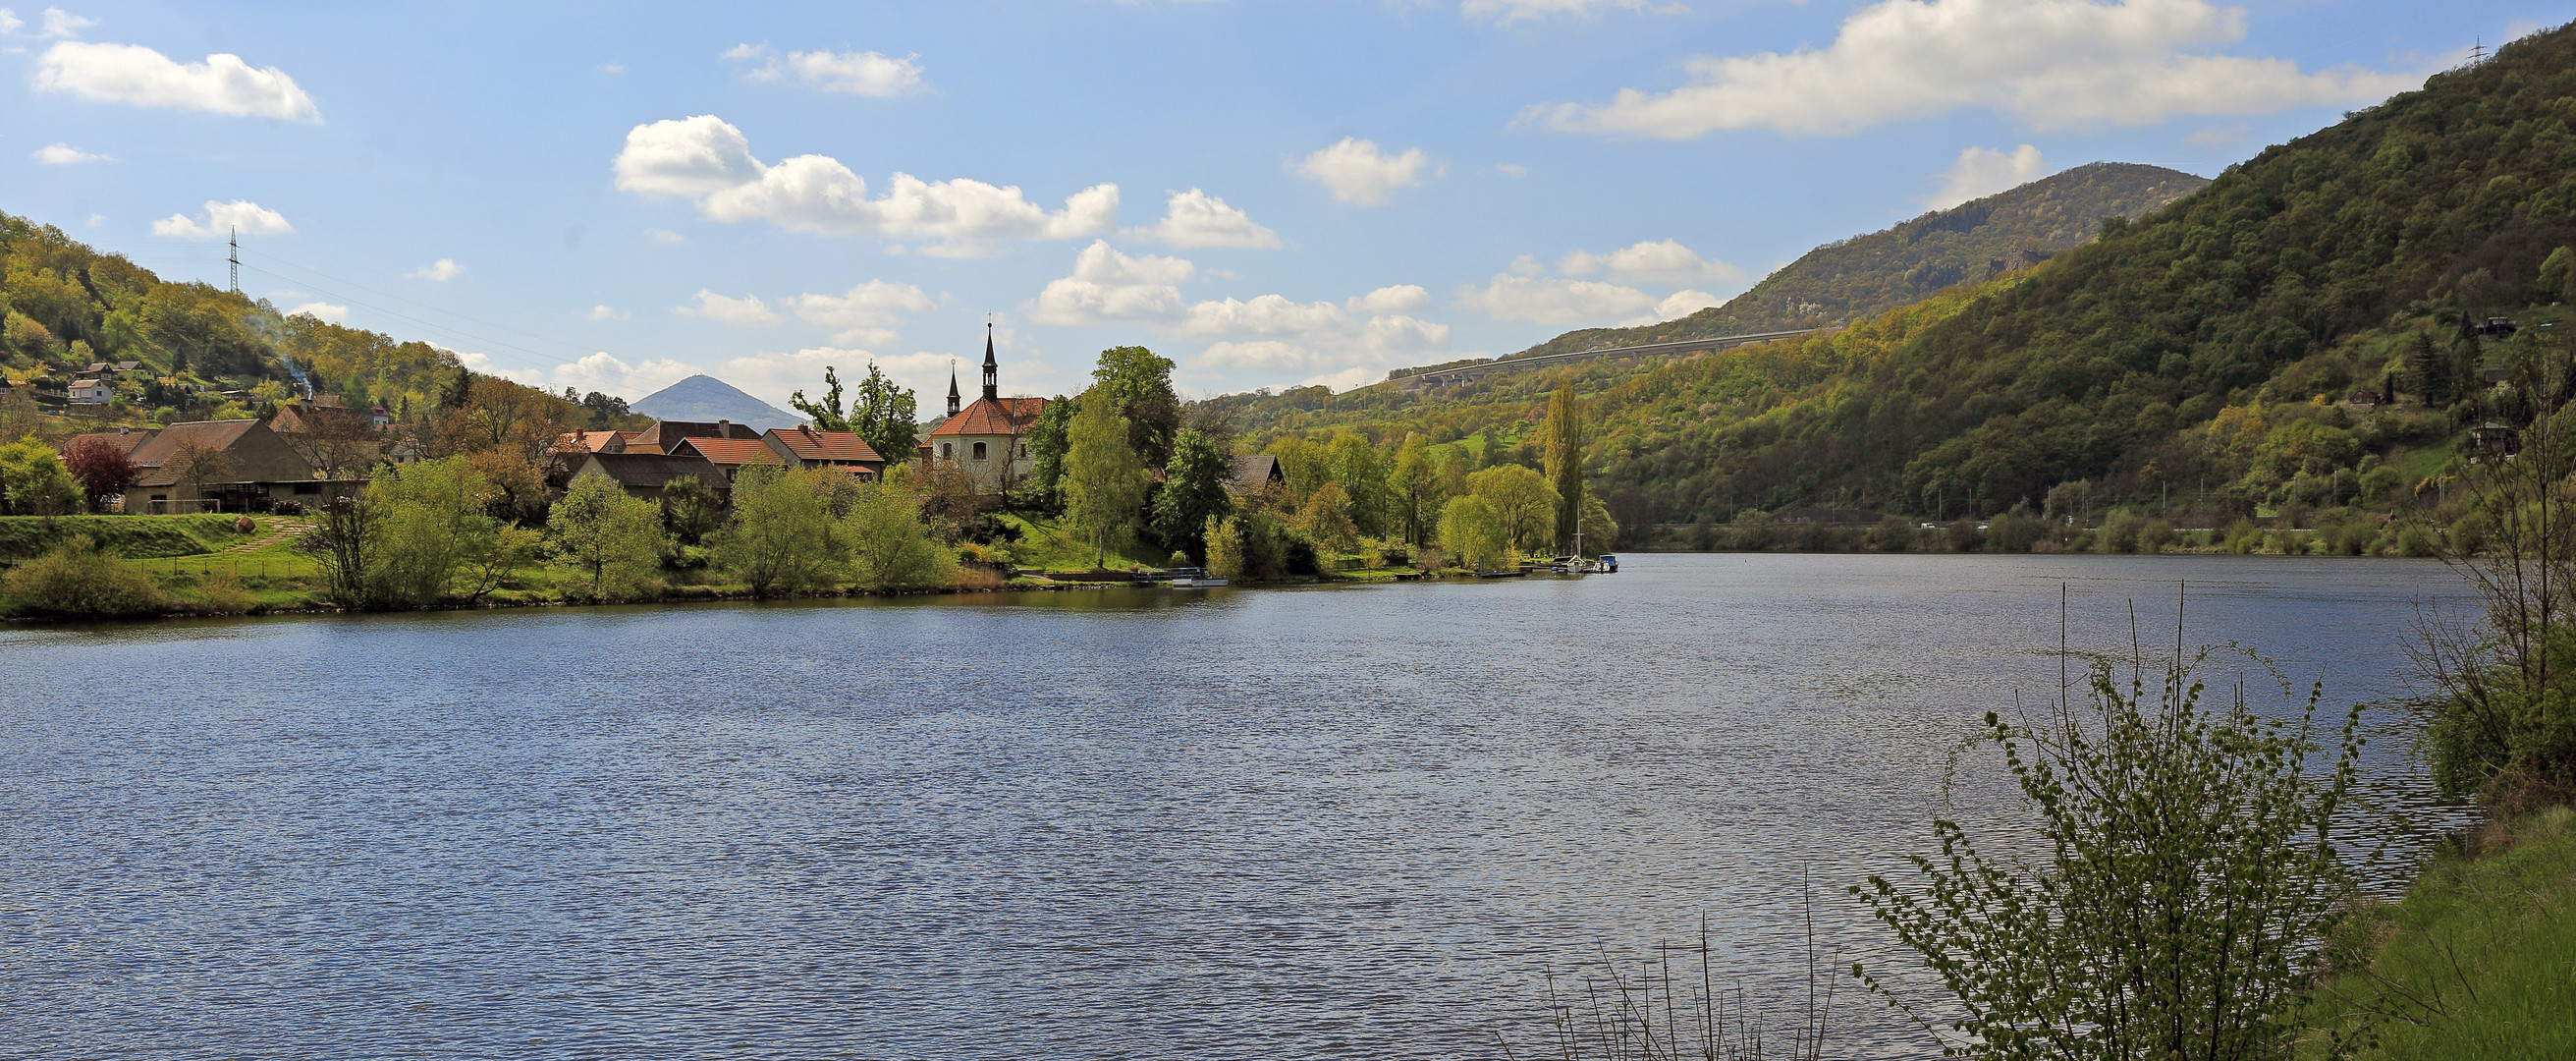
{"type": "Point", "coordinates": [947, 451]}
{"type": "Point", "coordinates": [979, 451]}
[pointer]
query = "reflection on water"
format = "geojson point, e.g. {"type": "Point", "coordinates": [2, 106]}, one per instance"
{"type": "Point", "coordinates": [1343, 820]}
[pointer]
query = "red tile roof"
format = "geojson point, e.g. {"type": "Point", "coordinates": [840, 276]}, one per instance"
{"type": "Point", "coordinates": [838, 447]}
{"type": "Point", "coordinates": [728, 452]}
{"type": "Point", "coordinates": [994, 416]}
{"type": "Point", "coordinates": [588, 441]}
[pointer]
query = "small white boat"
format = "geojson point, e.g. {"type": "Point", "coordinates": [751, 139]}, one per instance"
{"type": "Point", "coordinates": [1197, 583]}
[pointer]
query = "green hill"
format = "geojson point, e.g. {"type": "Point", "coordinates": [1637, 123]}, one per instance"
{"type": "Point", "coordinates": [2190, 361]}
{"type": "Point", "coordinates": [1867, 275]}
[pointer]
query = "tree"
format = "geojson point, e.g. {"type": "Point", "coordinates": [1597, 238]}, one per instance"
{"type": "Point", "coordinates": [1225, 553]}
{"type": "Point", "coordinates": [783, 537]}
{"type": "Point", "coordinates": [1524, 500]}
{"type": "Point", "coordinates": [431, 528]}
{"type": "Point", "coordinates": [1600, 531]}
{"type": "Point", "coordinates": [1048, 441]}
{"type": "Point", "coordinates": [1362, 472]}
{"type": "Point", "coordinates": [690, 511]}
{"type": "Point", "coordinates": [883, 416]}
{"type": "Point", "coordinates": [1326, 519]}
{"type": "Point", "coordinates": [2430, 374]}
{"type": "Point", "coordinates": [200, 465]}
{"type": "Point", "coordinates": [1103, 481]}
{"type": "Point", "coordinates": [102, 468]}
{"type": "Point", "coordinates": [1194, 492]}
{"type": "Point", "coordinates": [893, 550]}
{"type": "Point", "coordinates": [1565, 462]}
{"type": "Point", "coordinates": [1139, 383]}
{"type": "Point", "coordinates": [614, 540]}
{"type": "Point", "coordinates": [339, 443]}
{"type": "Point", "coordinates": [33, 481]}
{"type": "Point", "coordinates": [1474, 533]}
{"type": "Point", "coordinates": [1416, 488]}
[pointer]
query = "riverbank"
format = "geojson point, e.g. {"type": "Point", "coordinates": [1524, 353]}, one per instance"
{"type": "Point", "coordinates": [2478, 961]}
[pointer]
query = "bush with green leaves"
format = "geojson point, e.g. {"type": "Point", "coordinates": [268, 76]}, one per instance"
{"type": "Point", "coordinates": [78, 580]}
{"type": "Point", "coordinates": [783, 537]}
{"type": "Point", "coordinates": [2187, 872]}
{"type": "Point", "coordinates": [891, 547]}
{"type": "Point", "coordinates": [613, 540]}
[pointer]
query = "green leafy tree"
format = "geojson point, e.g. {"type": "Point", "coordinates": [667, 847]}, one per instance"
{"type": "Point", "coordinates": [892, 548]}
{"type": "Point", "coordinates": [2557, 279]}
{"type": "Point", "coordinates": [33, 481]}
{"type": "Point", "coordinates": [783, 538]}
{"type": "Point", "coordinates": [1139, 383]}
{"type": "Point", "coordinates": [1049, 440]}
{"type": "Point", "coordinates": [1225, 547]}
{"type": "Point", "coordinates": [1194, 492]}
{"type": "Point", "coordinates": [1565, 462]}
{"type": "Point", "coordinates": [1326, 519]}
{"type": "Point", "coordinates": [431, 530]}
{"type": "Point", "coordinates": [690, 511]}
{"type": "Point", "coordinates": [2189, 872]}
{"type": "Point", "coordinates": [613, 539]}
{"type": "Point", "coordinates": [884, 415]}
{"type": "Point", "coordinates": [1523, 499]}
{"type": "Point", "coordinates": [1474, 533]}
{"type": "Point", "coordinates": [1600, 530]}
{"type": "Point", "coordinates": [1104, 483]}
{"type": "Point", "coordinates": [1361, 471]}
{"type": "Point", "coordinates": [2429, 371]}
{"type": "Point", "coordinates": [1417, 488]}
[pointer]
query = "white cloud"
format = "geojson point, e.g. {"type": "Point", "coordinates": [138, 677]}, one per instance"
{"type": "Point", "coordinates": [9, 21]}
{"type": "Point", "coordinates": [1983, 171]}
{"type": "Point", "coordinates": [1553, 300]}
{"type": "Point", "coordinates": [1507, 12]}
{"type": "Point", "coordinates": [134, 74]}
{"type": "Point", "coordinates": [1193, 219]}
{"type": "Point", "coordinates": [1685, 302]}
{"type": "Point", "coordinates": [745, 312]}
{"type": "Point", "coordinates": [63, 24]}
{"type": "Point", "coordinates": [322, 311]}
{"type": "Point", "coordinates": [2052, 64]}
{"type": "Point", "coordinates": [1663, 260]}
{"type": "Point", "coordinates": [605, 312]}
{"type": "Point", "coordinates": [855, 73]}
{"type": "Point", "coordinates": [863, 313]}
{"type": "Point", "coordinates": [1397, 298]}
{"type": "Point", "coordinates": [707, 160]}
{"type": "Point", "coordinates": [440, 271]}
{"type": "Point", "coordinates": [65, 155]}
{"type": "Point", "coordinates": [1357, 171]}
{"type": "Point", "coordinates": [1108, 286]}
{"type": "Point", "coordinates": [1514, 170]}
{"type": "Point", "coordinates": [664, 236]}
{"type": "Point", "coordinates": [222, 219]}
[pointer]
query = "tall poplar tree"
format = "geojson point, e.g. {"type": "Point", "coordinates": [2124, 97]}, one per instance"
{"type": "Point", "coordinates": [1565, 463]}
{"type": "Point", "coordinates": [1104, 482]}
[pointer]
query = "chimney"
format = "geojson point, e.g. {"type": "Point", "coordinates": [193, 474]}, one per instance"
{"type": "Point", "coordinates": [724, 429]}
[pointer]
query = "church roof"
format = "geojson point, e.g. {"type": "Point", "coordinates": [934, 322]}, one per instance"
{"type": "Point", "coordinates": [993, 416]}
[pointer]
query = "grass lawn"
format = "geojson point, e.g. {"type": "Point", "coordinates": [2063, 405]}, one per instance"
{"type": "Point", "coordinates": [2490, 943]}
{"type": "Point", "coordinates": [24, 538]}
{"type": "Point", "coordinates": [1044, 545]}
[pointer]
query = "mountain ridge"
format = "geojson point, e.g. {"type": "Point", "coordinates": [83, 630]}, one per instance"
{"type": "Point", "coordinates": [705, 398]}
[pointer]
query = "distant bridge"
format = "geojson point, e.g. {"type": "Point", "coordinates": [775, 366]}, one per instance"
{"type": "Point", "coordinates": [1451, 377]}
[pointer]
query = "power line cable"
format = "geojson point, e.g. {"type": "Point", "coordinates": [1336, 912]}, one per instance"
{"type": "Point", "coordinates": [344, 281]}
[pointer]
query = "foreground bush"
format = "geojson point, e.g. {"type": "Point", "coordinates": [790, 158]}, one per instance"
{"type": "Point", "coordinates": [80, 581]}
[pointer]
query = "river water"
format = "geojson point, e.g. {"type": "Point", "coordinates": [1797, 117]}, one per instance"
{"type": "Point", "coordinates": [1328, 822]}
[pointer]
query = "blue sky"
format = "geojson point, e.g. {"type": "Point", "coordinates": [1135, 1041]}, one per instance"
{"type": "Point", "coordinates": [613, 196]}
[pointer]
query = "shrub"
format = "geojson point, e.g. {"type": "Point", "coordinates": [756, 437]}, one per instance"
{"type": "Point", "coordinates": [2418, 540]}
{"type": "Point", "coordinates": [223, 592]}
{"type": "Point", "coordinates": [80, 581]}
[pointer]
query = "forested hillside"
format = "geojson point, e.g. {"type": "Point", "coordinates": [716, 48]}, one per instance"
{"type": "Point", "coordinates": [1867, 275]}
{"type": "Point", "coordinates": [2201, 355]}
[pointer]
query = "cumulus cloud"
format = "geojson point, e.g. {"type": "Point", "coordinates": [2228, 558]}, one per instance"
{"type": "Point", "coordinates": [439, 271]}
{"type": "Point", "coordinates": [9, 21]}
{"type": "Point", "coordinates": [708, 161]}
{"type": "Point", "coordinates": [1664, 260]}
{"type": "Point", "coordinates": [1685, 302]}
{"type": "Point", "coordinates": [223, 219]}
{"type": "Point", "coordinates": [1109, 286]}
{"type": "Point", "coordinates": [854, 73]}
{"type": "Point", "coordinates": [62, 24]}
{"type": "Point", "coordinates": [2052, 64]}
{"type": "Point", "coordinates": [1397, 298]}
{"type": "Point", "coordinates": [1553, 300]}
{"type": "Point", "coordinates": [322, 311]}
{"type": "Point", "coordinates": [864, 313]}
{"type": "Point", "coordinates": [1506, 12]}
{"type": "Point", "coordinates": [1514, 170]}
{"type": "Point", "coordinates": [605, 312]}
{"type": "Point", "coordinates": [745, 312]}
{"type": "Point", "coordinates": [1194, 219]}
{"type": "Point", "coordinates": [65, 155]}
{"type": "Point", "coordinates": [1983, 171]}
{"type": "Point", "coordinates": [1357, 171]}
{"type": "Point", "coordinates": [136, 75]}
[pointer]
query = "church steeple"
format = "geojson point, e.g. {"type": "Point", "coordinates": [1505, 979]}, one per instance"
{"type": "Point", "coordinates": [992, 368]}
{"type": "Point", "coordinates": [952, 388]}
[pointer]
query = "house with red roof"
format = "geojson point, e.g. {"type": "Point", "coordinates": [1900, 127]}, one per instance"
{"type": "Point", "coordinates": [989, 439]}
{"type": "Point", "coordinates": [804, 447]}
{"type": "Point", "coordinates": [729, 455]}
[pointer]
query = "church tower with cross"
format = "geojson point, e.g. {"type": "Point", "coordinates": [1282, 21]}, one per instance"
{"type": "Point", "coordinates": [988, 440]}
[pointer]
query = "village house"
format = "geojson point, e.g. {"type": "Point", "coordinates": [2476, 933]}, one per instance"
{"type": "Point", "coordinates": [804, 447]}
{"type": "Point", "coordinates": [987, 440]}
{"type": "Point", "coordinates": [729, 455]}
{"type": "Point", "coordinates": [92, 391]}
{"type": "Point", "coordinates": [219, 466]}
{"type": "Point", "coordinates": [646, 475]}
{"type": "Point", "coordinates": [1255, 472]}
{"type": "Point", "coordinates": [665, 434]}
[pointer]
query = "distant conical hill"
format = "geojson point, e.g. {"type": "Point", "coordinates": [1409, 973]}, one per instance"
{"type": "Point", "coordinates": [706, 398]}
{"type": "Point", "coordinates": [1866, 275]}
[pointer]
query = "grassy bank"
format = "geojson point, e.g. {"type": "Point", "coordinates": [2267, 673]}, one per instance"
{"type": "Point", "coordinates": [24, 538]}
{"type": "Point", "coordinates": [2479, 959]}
